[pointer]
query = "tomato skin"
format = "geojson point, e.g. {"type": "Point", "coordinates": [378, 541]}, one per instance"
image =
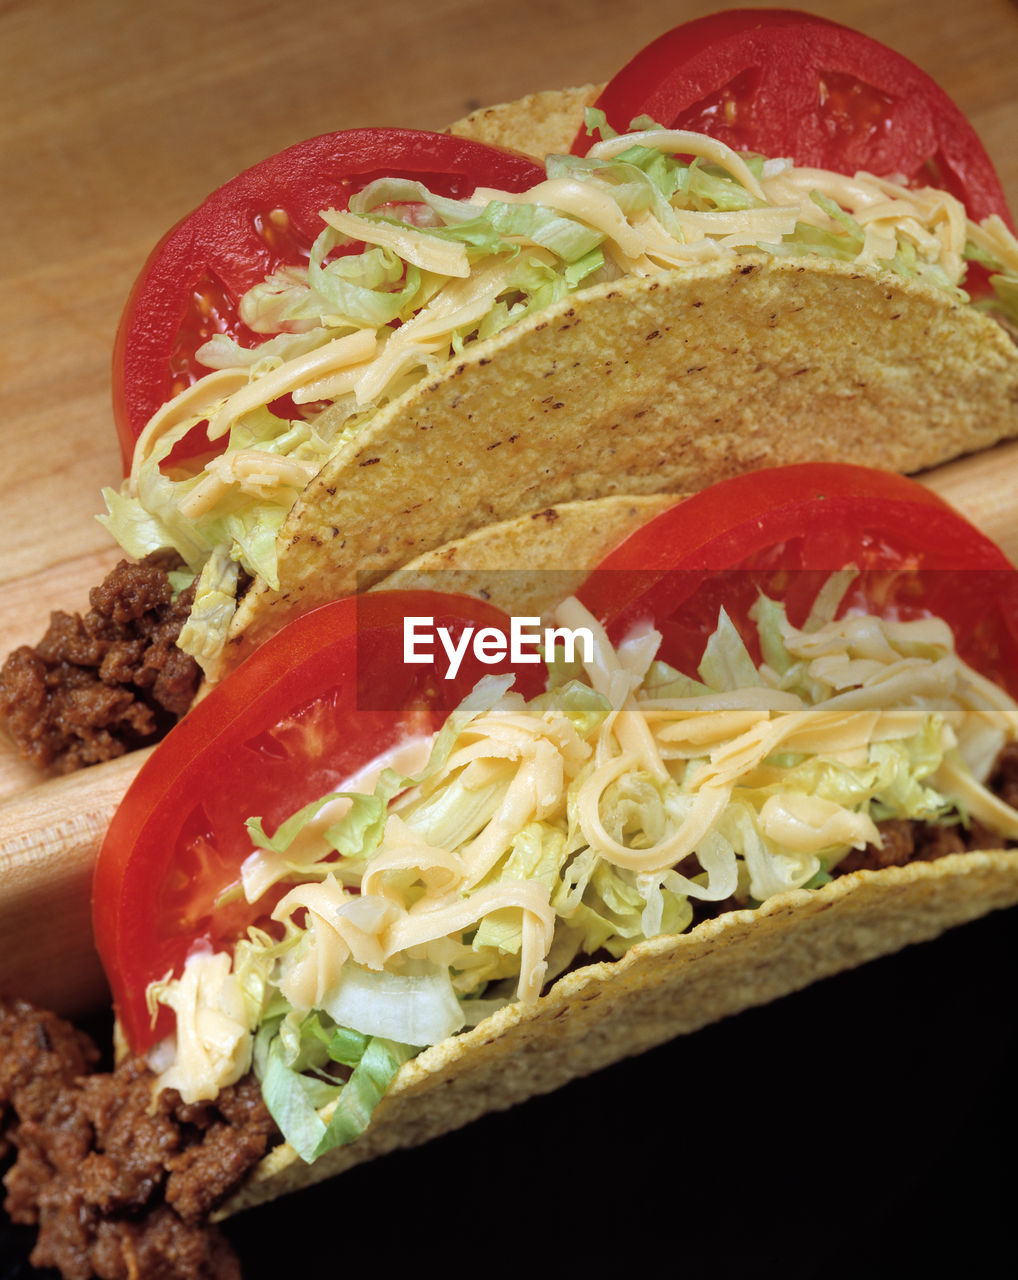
{"type": "Point", "coordinates": [193, 280]}
{"type": "Point", "coordinates": [786, 83]}
{"type": "Point", "coordinates": [783, 530]}
{"type": "Point", "coordinates": [292, 723]}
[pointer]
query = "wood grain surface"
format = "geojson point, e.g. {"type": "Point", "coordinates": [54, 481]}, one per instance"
{"type": "Point", "coordinates": [116, 119]}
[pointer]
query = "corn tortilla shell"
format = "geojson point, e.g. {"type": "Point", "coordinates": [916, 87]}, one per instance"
{"type": "Point", "coordinates": [530, 564]}
{"type": "Point", "coordinates": [661, 988]}
{"type": "Point", "coordinates": [641, 386]}
{"type": "Point", "coordinates": [540, 124]}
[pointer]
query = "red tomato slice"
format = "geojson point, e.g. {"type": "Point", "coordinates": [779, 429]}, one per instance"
{"type": "Point", "coordinates": [783, 83]}
{"type": "Point", "coordinates": [267, 217]}
{"type": "Point", "coordinates": [311, 707]}
{"type": "Point", "coordinates": [783, 531]}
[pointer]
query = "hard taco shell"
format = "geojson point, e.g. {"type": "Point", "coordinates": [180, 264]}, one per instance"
{"type": "Point", "coordinates": [661, 988]}
{"type": "Point", "coordinates": [541, 124]}
{"type": "Point", "coordinates": [667, 986]}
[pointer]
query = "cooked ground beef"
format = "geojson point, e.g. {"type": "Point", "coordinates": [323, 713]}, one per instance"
{"type": "Point", "coordinates": [1003, 779]}
{"type": "Point", "coordinates": [904, 840]}
{"type": "Point", "coordinates": [107, 682]}
{"type": "Point", "coordinates": [118, 1185]}
{"type": "Point", "coordinates": [910, 841]}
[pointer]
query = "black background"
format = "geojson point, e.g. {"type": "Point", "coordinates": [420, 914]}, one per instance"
{"type": "Point", "coordinates": [864, 1127]}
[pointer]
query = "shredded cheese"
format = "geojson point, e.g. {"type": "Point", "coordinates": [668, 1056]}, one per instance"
{"type": "Point", "coordinates": [352, 349]}
{"type": "Point", "coordinates": [994, 237]}
{"type": "Point", "coordinates": [252, 471]}
{"type": "Point", "coordinates": [444, 257]}
{"type": "Point", "coordinates": [213, 1030]}
{"type": "Point", "coordinates": [682, 142]}
{"type": "Point", "coordinates": [189, 406]}
{"type": "Point", "coordinates": [503, 845]}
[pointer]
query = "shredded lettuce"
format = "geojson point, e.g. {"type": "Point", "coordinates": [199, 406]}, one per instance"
{"type": "Point", "coordinates": [297, 1087]}
{"type": "Point", "coordinates": [726, 663]}
{"type": "Point", "coordinates": [1005, 290]}
{"type": "Point", "coordinates": [417, 1005]}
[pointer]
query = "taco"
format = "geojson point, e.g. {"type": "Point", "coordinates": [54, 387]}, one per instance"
{"type": "Point", "coordinates": [798, 767]}
{"type": "Point", "coordinates": [639, 318]}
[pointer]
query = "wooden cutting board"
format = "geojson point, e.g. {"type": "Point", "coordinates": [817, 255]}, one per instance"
{"type": "Point", "coordinates": [116, 129]}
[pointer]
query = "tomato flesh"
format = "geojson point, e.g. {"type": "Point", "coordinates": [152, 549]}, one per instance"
{"type": "Point", "coordinates": [789, 84]}
{"type": "Point", "coordinates": [783, 531]}
{"type": "Point", "coordinates": [307, 711]}
{"type": "Point", "coordinates": [265, 218]}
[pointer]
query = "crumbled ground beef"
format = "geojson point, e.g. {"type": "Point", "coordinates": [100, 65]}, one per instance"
{"type": "Point", "coordinates": [119, 1186]}
{"type": "Point", "coordinates": [1003, 779]}
{"type": "Point", "coordinates": [910, 841]}
{"type": "Point", "coordinates": [106, 682]}
{"type": "Point", "coordinates": [905, 840]}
